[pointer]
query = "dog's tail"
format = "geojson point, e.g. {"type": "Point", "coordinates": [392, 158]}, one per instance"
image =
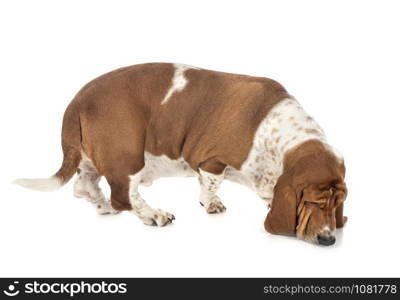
{"type": "Point", "coordinates": [71, 145]}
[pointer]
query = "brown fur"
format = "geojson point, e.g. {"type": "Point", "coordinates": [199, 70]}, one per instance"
{"type": "Point", "coordinates": [118, 116]}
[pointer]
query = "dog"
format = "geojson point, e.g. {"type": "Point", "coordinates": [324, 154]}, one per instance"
{"type": "Point", "coordinates": [142, 122]}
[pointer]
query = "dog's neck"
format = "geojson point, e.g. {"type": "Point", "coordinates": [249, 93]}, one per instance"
{"type": "Point", "coordinates": [287, 126]}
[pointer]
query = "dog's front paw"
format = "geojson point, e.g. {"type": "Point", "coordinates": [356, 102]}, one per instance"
{"type": "Point", "coordinates": [157, 217]}
{"type": "Point", "coordinates": [213, 205]}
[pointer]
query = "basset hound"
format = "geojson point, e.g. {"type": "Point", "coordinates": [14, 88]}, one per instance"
{"type": "Point", "coordinates": [139, 123]}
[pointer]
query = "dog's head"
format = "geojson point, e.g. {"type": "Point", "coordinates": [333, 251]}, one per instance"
{"type": "Point", "coordinates": [309, 196]}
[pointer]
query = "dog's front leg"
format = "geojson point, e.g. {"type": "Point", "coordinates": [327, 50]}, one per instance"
{"type": "Point", "coordinates": [209, 184]}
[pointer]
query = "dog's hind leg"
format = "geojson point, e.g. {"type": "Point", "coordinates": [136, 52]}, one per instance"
{"type": "Point", "coordinates": [114, 139]}
{"type": "Point", "coordinates": [87, 186]}
{"type": "Point", "coordinates": [124, 178]}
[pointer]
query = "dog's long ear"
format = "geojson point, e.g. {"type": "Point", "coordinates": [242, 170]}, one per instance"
{"type": "Point", "coordinates": [340, 220]}
{"type": "Point", "coordinates": [281, 219]}
{"type": "Point", "coordinates": [340, 196]}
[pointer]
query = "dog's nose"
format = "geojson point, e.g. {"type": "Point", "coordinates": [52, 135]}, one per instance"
{"type": "Point", "coordinates": [326, 240]}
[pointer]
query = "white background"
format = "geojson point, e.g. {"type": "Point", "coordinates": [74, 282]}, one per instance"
{"type": "Point", "coordinates": [339, 58]}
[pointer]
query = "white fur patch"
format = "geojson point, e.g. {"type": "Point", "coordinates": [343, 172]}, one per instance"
{"type": "Point", "coordinates": [326, 229]}
{"type": "Point", "coordinates": [285, 126]}
{"type": "Point", "coordinates": [179, 81]}
{"type": "Point", "coordinates": [40, 184]}
{"type": "Point", "coordinates": [162, 166]}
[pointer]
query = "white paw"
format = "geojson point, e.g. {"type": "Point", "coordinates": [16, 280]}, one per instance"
{"type": "Point", "coordinates": [213, 205]}
{"type": "Point", "coordinates": [157, 217]}
{"type": "Point", "coordinates": [105, 208]}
